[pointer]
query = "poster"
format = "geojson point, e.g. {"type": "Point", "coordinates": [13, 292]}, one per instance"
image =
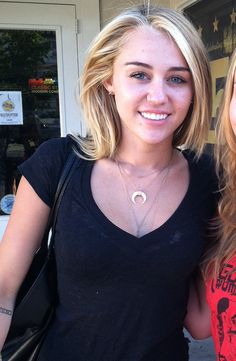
{"type": "Point", "coordinates": [215, 22]}
{"type": "Point", "coordinates": [11, 112]}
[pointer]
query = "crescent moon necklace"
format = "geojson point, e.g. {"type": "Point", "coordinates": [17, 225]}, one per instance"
{"type": "Point", "coordinates": [139, 196]}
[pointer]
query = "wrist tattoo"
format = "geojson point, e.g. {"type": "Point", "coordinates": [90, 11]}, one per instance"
{"type": "Point", "coordinates": [6, 311]}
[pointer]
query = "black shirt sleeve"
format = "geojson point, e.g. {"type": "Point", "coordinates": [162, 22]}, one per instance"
{"type": "Point", "coordinates": [43, 169]}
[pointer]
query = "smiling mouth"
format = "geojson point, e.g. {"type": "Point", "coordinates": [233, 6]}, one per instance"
{"type": "Point", "coordinates": [154, 116]}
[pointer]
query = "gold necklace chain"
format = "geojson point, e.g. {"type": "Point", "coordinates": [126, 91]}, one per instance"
{"type": "Point", "coordinates": [155, 200]}
{"type": "Point", "coordinates": [140, 176]}
{"type": "Point", "coordinates": [139, 196]}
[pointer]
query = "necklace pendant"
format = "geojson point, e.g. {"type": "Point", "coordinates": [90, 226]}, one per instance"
{"type": "Point", "coordinates": [137, 195]}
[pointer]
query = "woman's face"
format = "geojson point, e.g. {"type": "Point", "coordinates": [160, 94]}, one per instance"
{"type": "Point", "coordinates": [152, 86]}
{"type": "Point", "coordinates": [232, 108]}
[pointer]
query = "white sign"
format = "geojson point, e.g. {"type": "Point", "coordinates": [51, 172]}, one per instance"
{"type": "Point", "coordinates": [6, 204]}
{"type": "Point", "coordinates": [11, 112]}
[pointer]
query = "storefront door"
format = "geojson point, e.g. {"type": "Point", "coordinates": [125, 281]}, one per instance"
{"type": "Point", "coordinates": [38, 77]}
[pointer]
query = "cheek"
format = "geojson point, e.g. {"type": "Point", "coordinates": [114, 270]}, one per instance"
{"type": "Point", "coordinates": [184, 104]}
{"type": "Point", "coordinates": [127, 97]}
{"type": "Point", "coordinates": [183, 99]}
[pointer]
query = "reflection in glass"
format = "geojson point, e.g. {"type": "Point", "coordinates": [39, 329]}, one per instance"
{"type": "Point", "coordinates": [28, 63]}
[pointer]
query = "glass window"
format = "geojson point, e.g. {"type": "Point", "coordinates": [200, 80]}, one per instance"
{"type": "Point", "coordinates": [29, 80]}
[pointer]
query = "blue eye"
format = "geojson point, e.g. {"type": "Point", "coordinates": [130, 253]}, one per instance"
{"type": "Point", "coordinates": [177, 80]}
{"type": "Point", "coordinates": [139, 75]}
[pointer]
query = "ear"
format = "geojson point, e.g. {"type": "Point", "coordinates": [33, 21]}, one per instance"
{"type": "Point", "coordinates": [108, 84]}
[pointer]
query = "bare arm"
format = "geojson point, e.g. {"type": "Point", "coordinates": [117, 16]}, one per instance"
{"type": "Point", "coordinates": [198, 318]}
{"type": "Point", "coordinates": [20, 241]}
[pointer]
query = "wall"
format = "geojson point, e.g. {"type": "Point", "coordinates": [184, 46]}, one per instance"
{"type": "Point", "coordinates": [111, 8]}
{"type": "Point", "coordinates": [180, 4]}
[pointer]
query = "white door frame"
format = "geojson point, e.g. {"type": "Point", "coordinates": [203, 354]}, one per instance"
{"type": "Point", "coordinates": [73, 40]}
{"type": "Point", "coordinates": [75, 24]}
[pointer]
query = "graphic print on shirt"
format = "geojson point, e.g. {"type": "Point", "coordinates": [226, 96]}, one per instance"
{"type": "Point", "coordinates": [225, 292]}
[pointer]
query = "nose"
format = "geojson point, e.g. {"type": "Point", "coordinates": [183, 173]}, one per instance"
{"type": "Point", "coordinates": [157, 93]}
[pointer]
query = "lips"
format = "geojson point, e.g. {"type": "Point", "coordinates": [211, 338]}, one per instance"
{"type": "Point", "coordinates": [154, 116]}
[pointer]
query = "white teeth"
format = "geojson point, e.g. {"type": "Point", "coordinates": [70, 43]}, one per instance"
{"type": "Point", "coordinates": [154, 116]}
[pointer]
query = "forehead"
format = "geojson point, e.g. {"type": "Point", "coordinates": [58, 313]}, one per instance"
{"type": "Point", "coordinates": [148, 44]}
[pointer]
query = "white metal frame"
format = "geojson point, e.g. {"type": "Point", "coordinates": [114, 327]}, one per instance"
{"type": "Point", "coordinates": [84, 30]}
{"type": "Point", "coordinates": [86, 25]}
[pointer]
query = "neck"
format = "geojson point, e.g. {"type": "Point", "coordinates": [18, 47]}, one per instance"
{"type": "Point", "coordinates": [145, 161]}
{"type": "Point", "coordinates": [142, 154]}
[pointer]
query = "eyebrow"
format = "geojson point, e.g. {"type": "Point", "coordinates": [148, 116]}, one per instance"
{"type": "Point", "coordinates": [138, 63]}
{"type": "Point", "coordinates": [173, 68]}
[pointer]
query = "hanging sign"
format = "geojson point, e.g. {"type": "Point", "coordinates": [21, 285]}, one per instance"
{"type": "Point", "coordinates": [11, 112]}
{"type": "Point", "coordinates": [43, 86]}
{"type": "Point", "coordinates": [6, 204]}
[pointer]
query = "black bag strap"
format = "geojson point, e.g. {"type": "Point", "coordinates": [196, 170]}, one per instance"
{"type": "Point", "coordinates": [70, 165]}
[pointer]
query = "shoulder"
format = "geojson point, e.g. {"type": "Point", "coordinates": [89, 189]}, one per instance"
{"type": "Point", "coordinates": [47, 161]}
{"type": "Point", "coordinates": [203, 171]}
{"type": "Point", "coordinates": [203, 163]}
{"type": "Point", "coordinates": [201, 166]}
{"type": "Point", "coordinates": [56, 147]}
{"type": "Point", "coordinates": [51, 154]}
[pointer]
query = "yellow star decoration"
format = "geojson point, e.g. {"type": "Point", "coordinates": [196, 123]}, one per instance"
{"type": "Point", "coordinates": [233, 17]}
{"type": "Point", "coordinates": [215, 25]}
{"type": "Point", "coordinates": [199, 30]}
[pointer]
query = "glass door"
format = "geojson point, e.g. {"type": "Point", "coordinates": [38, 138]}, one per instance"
{"type": "Point", "coordinates": [38, 74]}
{"type": "Point", "coordinates": [29, 102]}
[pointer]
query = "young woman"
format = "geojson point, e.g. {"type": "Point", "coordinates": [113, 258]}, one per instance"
{"type": "Point", "coordinates": [219, 265]}
{"type": "Point", "coordinates": [132, 223]}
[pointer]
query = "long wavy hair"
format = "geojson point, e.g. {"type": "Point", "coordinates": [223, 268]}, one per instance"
{"type": "Point", "coordinates": [100, 112]}
{"type": "Point", "coordinates": [224, 246]}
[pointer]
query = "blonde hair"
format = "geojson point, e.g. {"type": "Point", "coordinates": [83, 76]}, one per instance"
{"type": "Point", "coordinates": [101, 116]}
{"type": "Point", "coordinates": [225, 152]}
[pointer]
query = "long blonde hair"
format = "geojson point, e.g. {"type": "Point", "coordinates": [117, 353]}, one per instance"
{"type": "Point", "coordinates": [225, 151]}
{"type": "Point", "coordinates": [101, 116]}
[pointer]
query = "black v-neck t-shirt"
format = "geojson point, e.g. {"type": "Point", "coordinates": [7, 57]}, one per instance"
{"type": "Point", "coordinates": [120, 298]}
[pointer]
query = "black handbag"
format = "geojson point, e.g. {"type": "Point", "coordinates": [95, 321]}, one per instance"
{"type": "Point", "coordinates": [37, 296]}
